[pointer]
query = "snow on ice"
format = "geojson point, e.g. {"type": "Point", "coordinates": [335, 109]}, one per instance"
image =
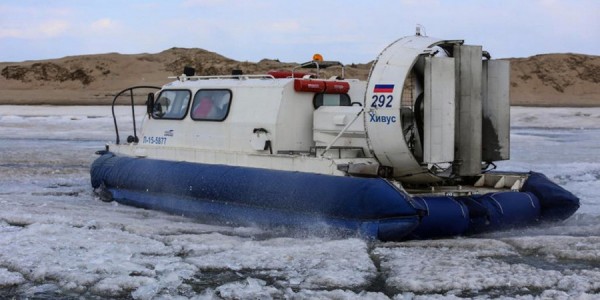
{"type": "Point", "coordinates": [59, 240]}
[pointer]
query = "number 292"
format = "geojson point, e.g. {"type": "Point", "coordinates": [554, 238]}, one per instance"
{"type": "Point", "coordinates": [382, 101]}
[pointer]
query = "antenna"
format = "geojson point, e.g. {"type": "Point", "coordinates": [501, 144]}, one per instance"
{"type": "Point", "coordinates": [419, 29]}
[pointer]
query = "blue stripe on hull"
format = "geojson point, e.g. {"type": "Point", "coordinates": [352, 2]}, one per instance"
{"type": "Point", "coordinates": [369, 207]}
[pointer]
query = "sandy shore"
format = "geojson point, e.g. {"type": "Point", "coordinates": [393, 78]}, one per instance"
{"type": "Point", "coordinates": [564, 80]}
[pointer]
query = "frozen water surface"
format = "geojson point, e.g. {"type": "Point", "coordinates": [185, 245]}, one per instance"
{"type": "Point", "coordinates": [58, 240]}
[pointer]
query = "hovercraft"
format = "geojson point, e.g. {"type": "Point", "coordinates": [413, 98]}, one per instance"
{"type": "Point", "coordinates": [406, 154]}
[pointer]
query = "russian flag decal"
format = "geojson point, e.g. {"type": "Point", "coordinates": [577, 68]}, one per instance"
{"type": "Point", "coordinates": [383, 88]}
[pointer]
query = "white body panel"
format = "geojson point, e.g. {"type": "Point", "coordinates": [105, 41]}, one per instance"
{"type": "Point", "coordinates": [255, 104]}
{"type": "Point", "coordinates": [269, 104]}
{"type": "Point", "coordinates": [383, 122]}
{"type": "Point", "coordinates": [496, 110]}
{"type": "Point", "coordinates": [468, 110]}
{"type": "Point", "coordinates": [439, 110]}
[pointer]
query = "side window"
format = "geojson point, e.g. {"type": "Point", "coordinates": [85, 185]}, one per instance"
{"type": "Point", "coordinates": [171, 104]}
{"type": "Point", "coordinates": [211, 105]}
{"type": "Point", "coordinates": [331, 100]}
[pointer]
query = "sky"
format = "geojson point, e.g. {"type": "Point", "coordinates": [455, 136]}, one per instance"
{"type": "Point", "coordinates": [349, 31]}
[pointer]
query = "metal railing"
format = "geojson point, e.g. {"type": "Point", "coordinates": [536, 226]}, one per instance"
{"type": "Point", "coordinates": [242, 76]}
{"type": "Point", "coordinates": [131, 94]}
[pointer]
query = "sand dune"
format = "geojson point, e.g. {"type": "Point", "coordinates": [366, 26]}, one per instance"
{"type": "Point", "coordinates": [542, 80]}
{"type": "Point", "coordinates": [556, 80]}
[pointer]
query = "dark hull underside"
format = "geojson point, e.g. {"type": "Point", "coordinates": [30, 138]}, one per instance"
{"type": "Point", "coordinates": [368, 207]}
